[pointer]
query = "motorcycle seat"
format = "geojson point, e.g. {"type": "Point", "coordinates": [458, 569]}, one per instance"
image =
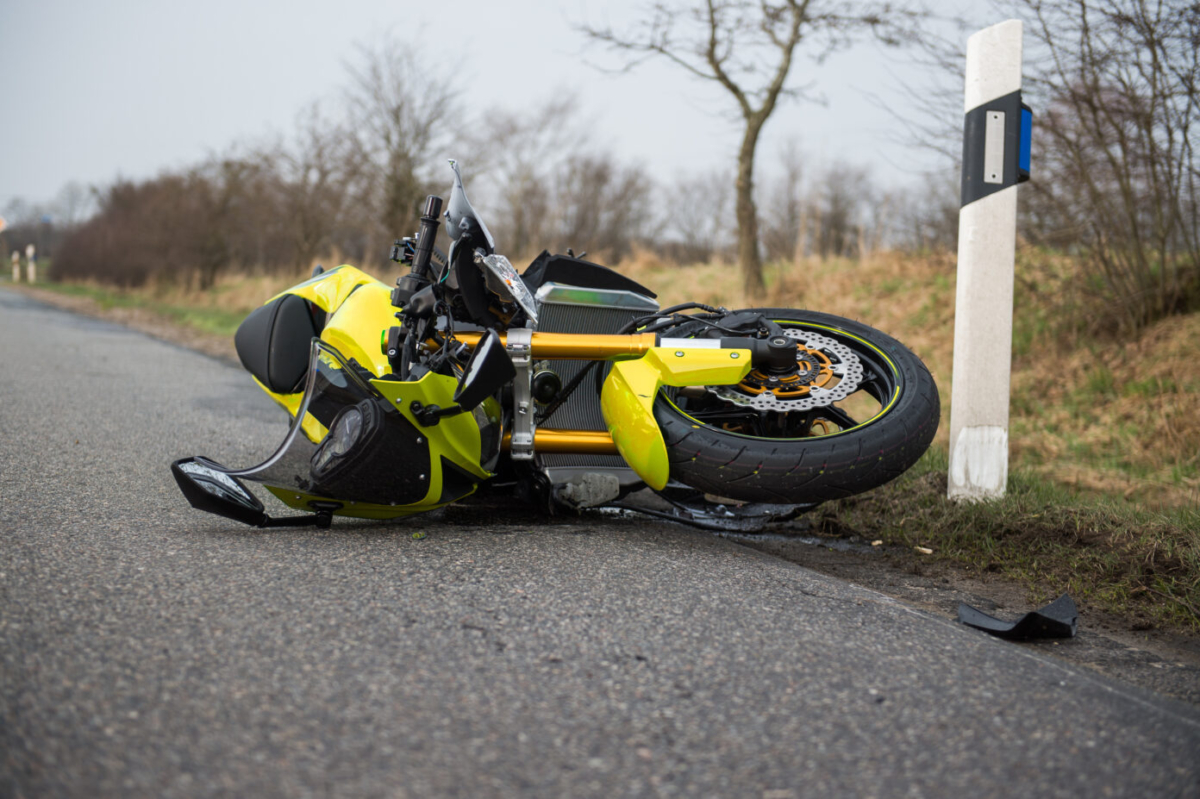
{"type": "Point", "coordinates": [273, 343]}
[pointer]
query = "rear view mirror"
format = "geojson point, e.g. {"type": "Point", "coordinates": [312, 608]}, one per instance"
{"type": "Point", "coordinates": [487, 371]}
{"type": "Point", "coordinates": [210, 490]}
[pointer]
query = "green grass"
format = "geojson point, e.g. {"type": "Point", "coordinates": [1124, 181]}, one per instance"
{"type": "Point", "coordinates": [210, 320]}
{"type": "Point", "coordinates": [1122, 559]}
{"type": "Point", "coordinates": [1149, 387]}
{"type": "Point", "coordinates": [1101, 382]}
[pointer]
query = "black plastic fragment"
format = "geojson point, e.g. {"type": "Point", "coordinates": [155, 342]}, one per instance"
{"type": "Point", "coordinates": [697, 511]}
{"type": "Point", "coordinates": [1059, 619]}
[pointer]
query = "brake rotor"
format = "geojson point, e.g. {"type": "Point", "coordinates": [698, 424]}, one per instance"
{"type": "Point", "coordinates": [826, 371]}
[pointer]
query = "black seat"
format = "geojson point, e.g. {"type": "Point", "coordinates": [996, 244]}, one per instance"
{"type": "Point", "coordinates": [273, 343]}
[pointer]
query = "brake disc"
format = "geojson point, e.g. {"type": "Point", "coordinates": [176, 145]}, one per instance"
{"type": "Point", "coordinates": [845, 366]}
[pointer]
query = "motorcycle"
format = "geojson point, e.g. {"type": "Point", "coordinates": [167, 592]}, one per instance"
{"type": "Point", "coordinates": [567, 383]}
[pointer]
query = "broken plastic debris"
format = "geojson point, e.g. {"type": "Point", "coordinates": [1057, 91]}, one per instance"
{"type": "Point", "coordinates": [418, 536]}
{"type": "Point", "coordinates": [698, 511]}
{"type": "Point", "coordinates": [924, 550]}
{"type": "Point", "coordinates": [878, 542]}
{"type": "Point", "coordinates": [1059, 619]}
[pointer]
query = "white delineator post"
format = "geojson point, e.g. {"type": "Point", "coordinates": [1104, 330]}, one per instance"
{"type": "Point", "coordinates": [995, 159]}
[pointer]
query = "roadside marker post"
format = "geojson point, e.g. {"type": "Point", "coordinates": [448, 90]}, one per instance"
{"type": "Point", "coordinates": [30, 263]}
{"type": "Point", "coordinates": [996, 135]}
{"type": "Point", "coordinates": [16, 262]}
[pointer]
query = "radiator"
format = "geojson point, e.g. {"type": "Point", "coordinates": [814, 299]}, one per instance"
{"type": "Point", "coordinates": [570, 309]}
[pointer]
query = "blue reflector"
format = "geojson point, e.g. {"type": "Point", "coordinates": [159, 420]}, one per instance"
{"type": "Point", "coordinates": [1026, 139]}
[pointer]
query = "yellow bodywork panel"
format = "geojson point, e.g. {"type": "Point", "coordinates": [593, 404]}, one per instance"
{"type": "Point", "coordinates": [295, 498]}
{"type": "Point", "coordinates": [331, 288]}
{"type": "Point", "coordinates": [627, 399]}
{"type": "Point", "coordinates": [354, 329]}
{"type": "Point", "coordinates": [454, 437]}
{"type": "Point", "coordinates": [360, 310]}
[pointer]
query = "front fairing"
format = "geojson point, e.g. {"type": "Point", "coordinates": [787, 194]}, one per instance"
{"type": "Point", "coordinates": [355, 447]}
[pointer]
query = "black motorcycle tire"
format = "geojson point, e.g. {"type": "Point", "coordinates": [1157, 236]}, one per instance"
{"type": "Point", "coordinates": [814, 469]}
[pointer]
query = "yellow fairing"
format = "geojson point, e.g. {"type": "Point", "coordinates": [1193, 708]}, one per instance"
{"type": "Point", "coordinates": [355, 328]}
{"type": "Point", "coordinates": [330, 289]}
{"type": "Point", "coordinates": [360, 310]}
{"type": "Point", "coordinates": [454, 438]}
{"type": "Point", "coordinates": [359, 510]}
{"type": "Point", "coordinates": [627, 400]}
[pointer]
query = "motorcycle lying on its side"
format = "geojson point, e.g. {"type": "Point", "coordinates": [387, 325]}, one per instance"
{"type": "Point", "coordinates": [567, 382]}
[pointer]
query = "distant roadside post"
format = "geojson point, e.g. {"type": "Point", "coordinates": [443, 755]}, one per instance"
{"type": "Point", "coordinates": [30, 263]}
{"type": "Point", "coordinates": [4, 246]}
{"type": "Point", "coordinates": [16, 262]}
{"type": "Point", "coordinates": [995, 159]}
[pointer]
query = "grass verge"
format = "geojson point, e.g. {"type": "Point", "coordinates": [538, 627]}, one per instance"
{"type": "Point", "coordinates": [209, 319]}
{"type": "Point", "coordinates": [1140, 564]}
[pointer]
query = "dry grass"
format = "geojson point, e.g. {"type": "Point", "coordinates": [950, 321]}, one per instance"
{"type": "Point", "coordinates": [1138, 564]}
{"type": "Point", "coordinates": [236, 293]}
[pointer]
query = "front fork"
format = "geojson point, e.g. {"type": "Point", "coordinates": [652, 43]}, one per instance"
{"type": "Point", "coordinates": [642, 364]}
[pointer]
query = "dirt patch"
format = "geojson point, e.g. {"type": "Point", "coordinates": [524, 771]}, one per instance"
{"type": "Point", "coordinates": [1155, 659]}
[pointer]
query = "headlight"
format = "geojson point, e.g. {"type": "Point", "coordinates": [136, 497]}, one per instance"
{"type": "Point", "coordinates": [345, 432]}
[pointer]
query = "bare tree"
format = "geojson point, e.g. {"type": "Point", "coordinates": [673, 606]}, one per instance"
{"type": "Point", "coordinates": [927, 215]}
{"type": "Point", "coordinates": [522, 153]}
{"type": "Point", "coordinates": [600, 206]}
{"type": "Point", "coordinates": [784, 217]}
{"type": "Point", "coordinates": [402, 114]}
{"type": "Point", "coordinates": [319, 176]}
{"type": "Point", "coordinates": [841, 198]}
{"type": "Point", "coordinates": [1116, 148]}
{"type": "Point", "coordinates": [73, 204]}
{"type": "Point", "coordinates": [697, 224]}
{"type": "Point", "coordinates": [747, 47]}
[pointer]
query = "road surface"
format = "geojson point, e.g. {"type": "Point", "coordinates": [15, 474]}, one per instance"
{"type": "Point", "coordinates": [147, 649]}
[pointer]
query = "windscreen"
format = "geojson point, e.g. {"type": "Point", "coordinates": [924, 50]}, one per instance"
{"type": "Point", "coordinates": [459, 211]}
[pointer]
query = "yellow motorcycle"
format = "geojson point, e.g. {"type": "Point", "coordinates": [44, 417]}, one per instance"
{"type": "Point", "coordinates": [566, 384]}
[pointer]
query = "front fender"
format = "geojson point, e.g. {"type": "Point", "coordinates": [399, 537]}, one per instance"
{"type": "Point", "coordinates": [627, 399]}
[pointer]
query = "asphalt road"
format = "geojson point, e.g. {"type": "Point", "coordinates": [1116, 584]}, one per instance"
{"type": "Point", "coordinates": [150, 650]}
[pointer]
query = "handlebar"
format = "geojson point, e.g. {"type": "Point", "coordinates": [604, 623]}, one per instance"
{"type": "Point", "coordinates": [426, 235]}
{"type": "Point", "coordinates": [418, 274]}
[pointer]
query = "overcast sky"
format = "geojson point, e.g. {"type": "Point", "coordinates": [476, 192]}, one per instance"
{"type": "Point", "coordinates": [96, 90]}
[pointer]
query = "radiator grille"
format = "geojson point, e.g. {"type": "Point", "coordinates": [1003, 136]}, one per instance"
{"type": "Point", "coordinates": [582, 410]}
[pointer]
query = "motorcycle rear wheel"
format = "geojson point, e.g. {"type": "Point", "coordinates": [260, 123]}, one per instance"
{"type": "Point", "coordinates": [828, 452]}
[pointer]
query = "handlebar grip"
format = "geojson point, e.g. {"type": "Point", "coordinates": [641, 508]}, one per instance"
{"type": "Point", "coordinates": [426, 235]}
